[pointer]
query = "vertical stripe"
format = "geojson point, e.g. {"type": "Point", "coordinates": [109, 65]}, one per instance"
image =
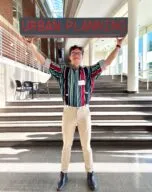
{"type": "Point", "coordinates": [87, 85]}
{"type": "Point", "coordinates": [66, 84]}
{"type": "Point", "coordinates": [78, 90]}
{"type": "Point", "coordinates": [92, 86]}
{"type": "Point", "coordinates": [71, 87]}
{"type": "Point", "coordinates": [82, 77]}
{"type": "Point", "coordinates": [76, 96]}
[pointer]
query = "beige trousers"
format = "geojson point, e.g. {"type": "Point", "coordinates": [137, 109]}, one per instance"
{"type": "Point", "coordinates": [72, 117]}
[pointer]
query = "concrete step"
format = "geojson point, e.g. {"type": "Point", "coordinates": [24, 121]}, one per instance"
{"type": "Point", "coordinates": [45, 116]}
{"type": "Point", "coordinates": [97, 125]}
{"type": "Point", "coordinates": [100, 83]}
{"type": "Point", "coordinates": [101, 90]}
{"type": "Point", "coordinates": [59, 108]}
{"type": "Point", "coordinates": [105, 94]}
{"type": "Point", "coordinates": [96, 94]}
{"type": "Point", "coordinates": [20, 136]}
{"type": "Point", "coordinates": [45, 138]}
{"type": "Point", "coordinates": [136, 100]}
{"type": "Point", "coordinates": [110, 84]}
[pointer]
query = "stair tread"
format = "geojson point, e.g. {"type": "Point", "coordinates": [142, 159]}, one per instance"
{"type": "Point", "coordinates": [92, 99]}
{"type": "Point", "coordinates": [59, 123]}
{"type": "Point", "coordinates": [20, 136]}
{"type": "Point", "coordinates": [91, 106]}
{"type": "Point", "coordinates": [97, 113]}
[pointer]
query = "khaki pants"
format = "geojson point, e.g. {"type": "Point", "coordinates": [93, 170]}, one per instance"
{"type": "Point", "coordinates": [72, 117]}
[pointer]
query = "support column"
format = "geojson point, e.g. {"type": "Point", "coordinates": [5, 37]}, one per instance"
{"type": "Point", "coordinates": [144, 59]}
{"type": "Point", "coordinates": [52, 49]}
{"type": "Point", "coordinates": [86, 55]}
{"type": "Point", "coordinates": [91, 52]}
{"type": "Point", "coordinates": [55, 50]}
{"type": "Point", "coordinates": [132, 84]}
{"type": "Point", "coordinates": [49, 54]}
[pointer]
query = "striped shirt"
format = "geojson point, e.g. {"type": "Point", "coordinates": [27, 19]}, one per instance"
{"type": "Point", "coordinates": [76, 85]}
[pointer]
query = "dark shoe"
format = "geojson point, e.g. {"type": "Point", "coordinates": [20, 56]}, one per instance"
{"type": "Point", "coordinates": [63, 180]}
{"type": "Point", "coordinates": [92, 184]}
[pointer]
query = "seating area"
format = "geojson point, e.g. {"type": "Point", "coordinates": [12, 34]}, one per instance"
{"type": "Point", "coordinates": [30, 87]}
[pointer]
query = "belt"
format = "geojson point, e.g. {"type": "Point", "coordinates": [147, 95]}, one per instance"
{"type": "Point", "coordinates": [86, 105]}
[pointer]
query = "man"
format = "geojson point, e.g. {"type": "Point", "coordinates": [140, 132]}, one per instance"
{"type": "Point", "coordinates": [76, 85]}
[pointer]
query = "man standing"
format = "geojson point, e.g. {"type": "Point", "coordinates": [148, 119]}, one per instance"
{"type": "Point", "coordinates": [76, 85]}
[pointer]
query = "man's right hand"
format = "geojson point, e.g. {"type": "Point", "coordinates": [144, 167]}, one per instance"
{"type": "Point", "coordinates": [30, 40]}
{"type": "Point", "coordinates": [36, 54]}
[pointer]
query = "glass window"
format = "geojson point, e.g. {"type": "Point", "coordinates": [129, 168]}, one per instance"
{"type": "Point", "coordinates": [150, 41]}
{"type": "Point", "coordinates": [14, 9]}
{"type": "Point", "coordinates": [140, 48]}
{"type": "Point", "coordinates": [56, 7]}
{"type": "Point", "coordinates": [37, 10]}
{"type": "Point", "coordinates": [140, 55]}
{"type": "Point", "coordinates": [150, 65]}
{"type": "Point", "coordinates": [17, 13]}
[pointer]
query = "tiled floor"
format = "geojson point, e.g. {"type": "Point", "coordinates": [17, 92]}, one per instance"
{"type": "Point", "coordinates": [36, 169]}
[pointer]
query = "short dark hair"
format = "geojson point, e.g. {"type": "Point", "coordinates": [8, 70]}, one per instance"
{"type": "Point", "coordinates": [76, 47]}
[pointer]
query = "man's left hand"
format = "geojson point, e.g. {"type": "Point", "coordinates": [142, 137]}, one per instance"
{"type": "Point", "coordinates": [120, 40]}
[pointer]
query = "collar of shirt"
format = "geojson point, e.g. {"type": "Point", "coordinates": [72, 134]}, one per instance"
{"type": "Point", "coordinates": [73, 67]}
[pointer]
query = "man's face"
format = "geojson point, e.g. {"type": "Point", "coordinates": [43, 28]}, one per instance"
{"type": "Point", "coordinates": [76, 57]}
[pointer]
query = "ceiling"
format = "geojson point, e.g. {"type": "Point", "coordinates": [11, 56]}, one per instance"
{"type": "Point", "coordinates": [98, 8]}
{"type": "Point", "coordinates": [145, 14]}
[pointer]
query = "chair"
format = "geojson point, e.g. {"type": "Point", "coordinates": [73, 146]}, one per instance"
{"type": "Point", "coordinates": [28, 86]}
{"type": "Point", "coordinates": [18, 87]}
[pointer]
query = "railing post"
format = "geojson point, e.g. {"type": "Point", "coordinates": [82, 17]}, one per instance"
{"type": "Point", "coordinates": [147, 84]}
{"type": "Point", "coordinates": [121, 77]}
{"type": "Point", "coordinates": [148, 80]}
{"type": "Point", "coordinates": [111, 71]}
{"type": "Point", "coordinates": [1, 40]}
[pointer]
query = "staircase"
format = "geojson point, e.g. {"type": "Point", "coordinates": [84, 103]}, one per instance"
{"type": "Point", "coordinates": [117, 117]}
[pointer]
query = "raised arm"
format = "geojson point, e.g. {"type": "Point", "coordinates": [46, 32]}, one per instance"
{"type": "Point", "coordinates": [54, 68]}
{"type": "Point", "coordinates": [115, 52]}
{"type": "Point", "coordinates": [101, 65]}
{"type": "Point", "coordinates": [35, 52]}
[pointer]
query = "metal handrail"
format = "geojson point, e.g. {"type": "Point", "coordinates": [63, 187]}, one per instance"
{"type": "Point", "coordinates": [148, 79]}
{"type": "Point", "coordinates": [18, 50]}
{"type": "Point", "coordinates": [146, 70]}
{"type": "Point", "coordinates": [149, 74]}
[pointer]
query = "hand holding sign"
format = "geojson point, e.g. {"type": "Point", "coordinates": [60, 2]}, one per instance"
{"type": "Point", "coordinates": [120, 40]}
{"type": "Point", "coordinates": [30, 40]}
{"type": "Point", "coordinates": [114, 53]}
